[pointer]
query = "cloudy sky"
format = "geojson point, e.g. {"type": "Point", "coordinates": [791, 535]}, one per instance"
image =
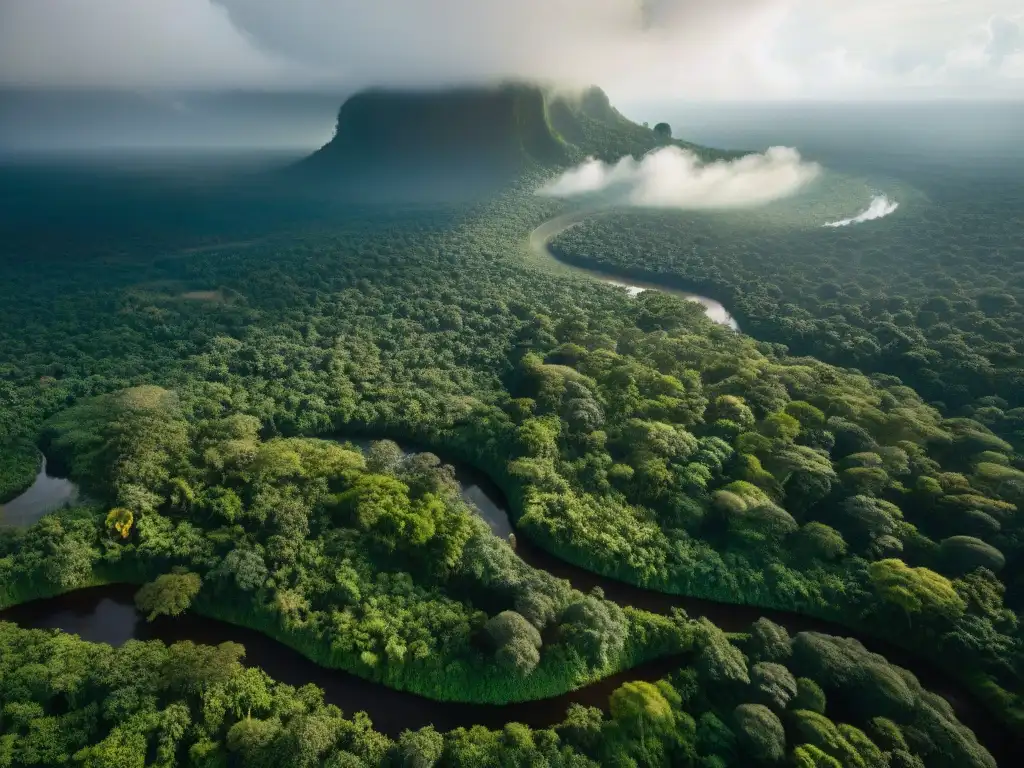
{"type": "Point", "coordinates": [695, 49]}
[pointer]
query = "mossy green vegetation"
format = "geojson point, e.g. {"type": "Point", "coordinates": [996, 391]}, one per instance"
{"type": "Point", "coordinates": [632, 437]}
{"type": "Point", "coordinates": [381, 570]}
{"type": "Point", "coordinates": [67, 702]}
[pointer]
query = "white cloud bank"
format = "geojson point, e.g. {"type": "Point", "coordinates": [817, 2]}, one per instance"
{"type": "Point", "coordinates": [675, 178]}
{"type": "Point", "coordinates": [696, 49]}
{"type": "Point", "coordinates": [880, 207]}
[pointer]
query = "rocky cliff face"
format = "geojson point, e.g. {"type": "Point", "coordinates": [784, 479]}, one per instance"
{"type": "Point", "coordinates": [503, 129]}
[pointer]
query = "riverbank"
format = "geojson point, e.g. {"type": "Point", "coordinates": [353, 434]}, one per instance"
{"type": "Point", "coordinates": [19, 466]}
{"type": "Point", "coordinates": [976, 699]}
{"type": "Point", "coordinates": [552, 679]}
{"type": "Point", "coordinates": [539, 247]}
{"type": "Point", "coordinates": [44, 494]}
{"type": "Point", "coordinates": [477, 680]}
{"type": "Point", "coordinates": [107, 614]}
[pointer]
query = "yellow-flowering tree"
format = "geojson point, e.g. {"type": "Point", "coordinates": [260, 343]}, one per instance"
{"type": "Point", "coordinates": [120, 519]}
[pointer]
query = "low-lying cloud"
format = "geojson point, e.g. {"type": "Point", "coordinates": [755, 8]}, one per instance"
{"type": "Point", "coordinates": [880, 207]}
{"type": "Point", "coordinates": [676, 178]}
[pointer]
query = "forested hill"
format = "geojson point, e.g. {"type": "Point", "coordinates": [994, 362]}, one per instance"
{"type": "Point", "coordinates": [590, 124]}
{"type": "Point", "coordinates": [460, 131]}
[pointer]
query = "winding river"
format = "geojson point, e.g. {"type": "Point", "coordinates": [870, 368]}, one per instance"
{"type": "Point", "coordinates": [107, 614]}
{"type": "Point", "coordinates": [542, 236]}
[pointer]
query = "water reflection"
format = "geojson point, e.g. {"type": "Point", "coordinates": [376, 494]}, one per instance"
{"type": "Point", "coordinates": [46, 494]}
{"type": "Point", "coordinates": [475, 488]}
{"type": "Point", "coordinates": [715, 311]}
{"type": "Point", "coordinates": [483, 502]}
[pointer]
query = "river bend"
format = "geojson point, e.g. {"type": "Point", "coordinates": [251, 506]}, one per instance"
{"type": "Point", "coordinates": [107, 614]}
{"type": "Point", "coordinates": [542, 236]}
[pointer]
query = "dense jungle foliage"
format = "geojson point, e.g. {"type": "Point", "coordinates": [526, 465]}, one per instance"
{"type": "Point", "coordinates": [932, 294]}
{"type": "Point", "coordinates": [191, 392]}
{"type": "Point", "coordinates": [815, 700]}
{"type": "Point", "coordinates": [374, 565]}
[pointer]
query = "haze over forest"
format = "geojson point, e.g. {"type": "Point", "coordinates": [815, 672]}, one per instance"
{"type": "Point", "coordinates": [553, 383]}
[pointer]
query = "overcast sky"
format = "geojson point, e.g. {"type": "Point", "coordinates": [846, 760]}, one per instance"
{"type": "Point", "coordinates": [637, 49]}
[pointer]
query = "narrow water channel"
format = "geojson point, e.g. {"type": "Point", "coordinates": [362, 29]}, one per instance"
{"type": "Point", "coordinates": [490, 502]}
{"type": "Point", "coordinates": [549, 230]}
{"type": "Point", "coordinates": [107, 614]}
{"type": "Point", "coordinates": [45, 495]}
{"type": "Point", "coordinates": [476, 488]}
